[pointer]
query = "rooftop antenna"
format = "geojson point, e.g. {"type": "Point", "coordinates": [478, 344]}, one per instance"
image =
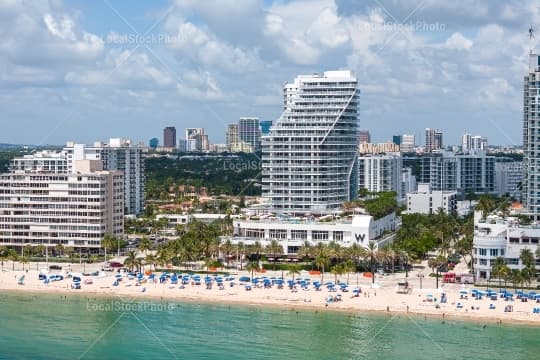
{"type": "Point", "coordinates": [531, 35]}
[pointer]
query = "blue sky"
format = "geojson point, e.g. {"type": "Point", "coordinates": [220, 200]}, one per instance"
{"type": "Point", "coordinates": [77, 71]}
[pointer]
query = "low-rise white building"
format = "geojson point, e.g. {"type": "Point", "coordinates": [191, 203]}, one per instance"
{"type": "Point", "coordinates": [499, 237]}
{"type": "Point", "coordinates": [292, 234]}
{"type": "Point", "coordinates": [427, 201]}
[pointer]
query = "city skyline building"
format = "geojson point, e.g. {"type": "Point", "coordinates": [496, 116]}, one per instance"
{"type": "Point", "coordinates": [309, 159]}
{"type": "Point", "coordinates": [364, 137]}
{"type": "Point", "coordinates": [434, 140]}
{"type": "Point", "coordinates": [249, 131]}
{"type": "Point", "coordinates": [169, 137]}
{"type": "Point", "coordinates": [408, 143]}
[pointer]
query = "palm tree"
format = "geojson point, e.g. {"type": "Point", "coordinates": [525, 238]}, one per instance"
{"type": "Point", "coordinates": [349, 266]}
{"type": "Point", "coordinates": [274, 248]}
{"type": "Point", "coordinates": [150, 259]}
{"type": "Point", "coordinates": [516, 277]}
{"type": "Point", "coordinates": [131, 260]}
{"type": "Point", "coordinates": [294, 269]}
{"type": "Point", "coordinates": [3, 255]}
{"type": "Point", "coordinates": [144, 245]}
{"type": "Point", "coordinates": [226, 249]}
{"type": "Point", "coordinates": [497, 267]}
{"type": "Point", "coordinates": [108, 243]}
{"type": "Point", "coordinates": [23, 260]}
{"type": "Point", "coordinates": [322, 260]}
{"type": "Point", "coordinates": [59, 249]}
{"type": "Point", "coordinates": [337, 270]}
{"type": "Point", "coordinates": [371, 254]}
{"type": "Point", "coordinates": [485, 204]}
{"type": "Point", "coordinates": [305, 251]}
{"type": "Point", "coordinates": [252, 266]}
{"type": "Point", "coordinates": [13, 256]}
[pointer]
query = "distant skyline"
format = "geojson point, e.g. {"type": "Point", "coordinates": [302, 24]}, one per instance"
{"type": "Point", "coordinates": [78, 70]}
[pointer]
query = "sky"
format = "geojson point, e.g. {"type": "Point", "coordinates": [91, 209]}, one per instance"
{"type": "Point", "coordinates": [90, 70]}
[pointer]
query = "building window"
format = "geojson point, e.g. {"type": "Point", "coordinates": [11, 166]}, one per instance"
{"type": "Point", "coordinates": [278, 234]}
{"type": "Point", "coordinates": [494, 252]}
{"type": "Point", "coordinates": [299, 234]}
{"type": "Point", "coordinates": [255, 233]}
{"type": "Point", "coordinates": [338, 235]}
{"type": "Point", "coordinates": [512, 261]}
{"type": "Point", "coordinates": [319, 235]}
{"type": "Point", "coordinates": [483, 262]}
{"type": "Point", "coordinates": [483, 252]}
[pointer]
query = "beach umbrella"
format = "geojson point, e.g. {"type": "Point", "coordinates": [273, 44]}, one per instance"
{"type": "Point", "coordinates": [244, 278]}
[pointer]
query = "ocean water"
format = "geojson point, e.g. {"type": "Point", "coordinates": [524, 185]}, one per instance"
{"type": "Point", "coordinates": [51, 327]}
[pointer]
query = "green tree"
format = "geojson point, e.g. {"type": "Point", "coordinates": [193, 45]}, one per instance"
{"type": "Point", "coordinates": [131, 260]}
{"type": "Point", "coordinates": [322, 259]}
{"type": "Point", "coordinates": [108, 243]}
{"type": "Point", "coordinates": [371, 254]}
{"type": "Point", "coordinates": [294, 269]}
{"type": "Point", "coordinates": [498, 268]}
{"type": "Point", "coordinates": [252, 266]}
{"type": "Point", "coordinates": [144, 245]}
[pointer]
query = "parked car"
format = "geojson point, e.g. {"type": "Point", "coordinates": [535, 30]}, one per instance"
{"type": "Point", "coordinates": [55, 267]}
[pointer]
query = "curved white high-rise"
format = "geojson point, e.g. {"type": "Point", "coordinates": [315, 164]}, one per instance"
{"type": "Point", "coordinates": [309, 158]}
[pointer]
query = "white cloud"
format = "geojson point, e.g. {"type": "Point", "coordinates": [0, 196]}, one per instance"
{"type": "Point", "coordinates": [458, 42]}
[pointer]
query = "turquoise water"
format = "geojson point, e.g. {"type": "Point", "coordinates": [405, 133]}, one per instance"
{"type": "Point", "coordinates": [51, 327]}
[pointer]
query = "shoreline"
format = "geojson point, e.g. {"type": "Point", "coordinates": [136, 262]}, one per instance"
{"type": "Point", "coordinates": [272, 303]}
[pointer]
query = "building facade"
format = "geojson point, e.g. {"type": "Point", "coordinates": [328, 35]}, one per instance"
{"type": "Point", "coordinates": [232, 136]}
{"type": "Point", "coordinates": [378, 173]}
{"type": "Point", "coordinates": [169, 137]}
{"type": "Point", "coordinates": [77, 209]}
{"type": "Point", "coordinates": [309, 159]}
{"type": "Point", "coordinates": [428, 201]}
{"type": "Point", "coordinates": [249, 132]}
{"type": "Point", "coordinates": [292, 235]}
{"type": "Point", "coordinates": [117, 154]}
{"type": "Point", "coordinates": [531, 139]}
{"type": "Point", "coordinates": [380, 148]}
{"type": "Point", "coordinates": [497, 237]}
{"type": "Point", "coordinates": [265, 125]}
{"type": "Point", "coordinates": [434, 140]}
{"type": "Point", "coordinates": [364, 137]}
{"type": "Point", "coordinates": [408, 143]}
{"type": "Point", "coordinates": [508, 178]}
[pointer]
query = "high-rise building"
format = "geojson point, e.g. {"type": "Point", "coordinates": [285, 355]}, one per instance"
{"type": "Point", "coordinates": [378, 173]}
{"type": "Point", "coordinates": [249, 132]}
{"type": "Point", "coordinates": [396, 139]}
{"type": "Point", "coordinates": [469, 173]}
{"type": "Point", "coordinates": [169, 137]}
{"type": "Point", "coordinates": [531, 140]}
{"type": "Point", "coordinates": [364, 137]}
{"type": "Point", "coordinates": [118, 154]}
{"type": "Point", "coordinates": [508, 178]}
{"type": "Point", "coordinates": [43, 161]}
{"type": "Point", "coordinates": [265, 126]}
{"type": "Point", "coordinates": [470, 143]}
{"type": "Point", "coordinates": [309, 159]}
{"type": "Point", "coordinates": [153, 143]}
{"type": "Point", "coordinates": [407, 143]}
{"type": "Point", "coordinates": [196, 140]}
{"type": "Point", "coordinates": [232, 137]}
{"type": "Point", "coordinates": [49, 206]}
{"type": "Point", "coordinates": [434, 140]}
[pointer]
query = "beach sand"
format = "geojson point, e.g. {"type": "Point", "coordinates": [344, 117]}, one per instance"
{"type": "Point", "coordinates": [384, 298]}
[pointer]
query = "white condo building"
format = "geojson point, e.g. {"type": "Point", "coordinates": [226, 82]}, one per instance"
{"type": "Point", "coordinates": [428, 201]}
{"type": "Point", "coordinates": [309, 159]}
{"type": "Point", "coordinates": [408, 143]}
{"type": "Point", "coordinates": [378, 173]}
{"type": "Point", "coordinates": [531, 138]}
{"type": "Point", "coordinates": [77, 209]}
{"type": "Point", "coordinates": [118, 154]}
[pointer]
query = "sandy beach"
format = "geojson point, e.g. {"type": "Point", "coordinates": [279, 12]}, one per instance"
{"type": "Point", "coordinates": [381, 298]}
